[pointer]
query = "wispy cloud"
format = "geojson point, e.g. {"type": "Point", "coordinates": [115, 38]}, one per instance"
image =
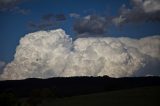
{"type": "Point", "coordinates": [13, 6]}
{"type": "Point", "coordinates": [47, 21]}
{"type": "Point", "coordinates": [74, 15]}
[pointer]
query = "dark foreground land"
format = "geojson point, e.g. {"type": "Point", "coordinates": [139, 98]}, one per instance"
{"type": "Point", "coordinates": [81, 91]}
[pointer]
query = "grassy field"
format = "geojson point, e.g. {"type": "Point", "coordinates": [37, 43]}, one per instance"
{"type": "Point", "coordinates": [145, 96]}
{"type": "Point", "coordinates": [81, 91]}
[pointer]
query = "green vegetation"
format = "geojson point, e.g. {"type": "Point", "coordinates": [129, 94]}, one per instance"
{"type": "Point", "coordinates": [36, 96]}
{"type": "Point", "coordinates": [8, 99]}
{"type": "Point", "coordinates": [144, 96]}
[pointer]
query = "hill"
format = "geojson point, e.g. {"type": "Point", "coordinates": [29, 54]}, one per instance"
{"type": "Point", "coordinates": [32, 91]}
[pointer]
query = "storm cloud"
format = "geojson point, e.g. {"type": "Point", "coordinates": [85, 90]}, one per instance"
{"type": "Point", "coordinates": [46, 54]}
{"type": "Point", "coordinates": [141, 11]}
{"type": "Point", "coordinates": [47, 21]}
{"type": "Point", "coordinates": [91, 25]}
{"type": "Point", "coordinates": [13, 6]}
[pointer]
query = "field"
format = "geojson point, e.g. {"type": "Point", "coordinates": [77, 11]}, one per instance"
{"type": "Point", "coordinates": [81, 91]}
{"type": "Point", "coordinates": [144, 96]}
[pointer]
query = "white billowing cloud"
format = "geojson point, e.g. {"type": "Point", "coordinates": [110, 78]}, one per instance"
{"type": "Point", "coordinates": [52, 53]}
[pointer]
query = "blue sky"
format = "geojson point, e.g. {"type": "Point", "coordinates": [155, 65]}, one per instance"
{"type": "Point", "coordinates": [15, 20]}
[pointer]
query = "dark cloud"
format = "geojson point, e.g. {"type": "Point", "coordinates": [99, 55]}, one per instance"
{"type": "Point", "coordinates": [47, 17]}
{"type": "Point", "coordinates": [20, 10]}
{"type": "Point", "coordinates": [60, 17]}
{"type": "Point", "coordinates": [85, 35]}
{"type": "Point", "coordinates": [91, 24]}
{"type": "Point", "coordinates": [55, 17]}
{"type": "Point", "coordinates": [142, 11]}
{"type": "Point", "coordinates": [47, 21]}
{"type": "Point", "coordinates": [8, 4]}
{"type": "Point", "coordinates": [42, 25]}
{"type": "Point", "coordinates": [13, 6]}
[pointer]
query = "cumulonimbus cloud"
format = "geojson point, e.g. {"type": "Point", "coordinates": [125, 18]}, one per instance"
{"type": "Point", "coordinates": [45, 54]}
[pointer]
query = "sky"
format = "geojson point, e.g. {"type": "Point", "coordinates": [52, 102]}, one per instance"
{"type": "Point", "coordinates": [64, 38]}
{"type": "Point", "coordinates": [19, 17]}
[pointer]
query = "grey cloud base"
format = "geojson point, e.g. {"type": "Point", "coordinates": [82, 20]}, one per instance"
{"type": "Point", "coordinates": [141, 11]}
{"type": "Point", "coordinates": [2, 65]}
{"type": "Point", "coordinates": [46, 54]}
